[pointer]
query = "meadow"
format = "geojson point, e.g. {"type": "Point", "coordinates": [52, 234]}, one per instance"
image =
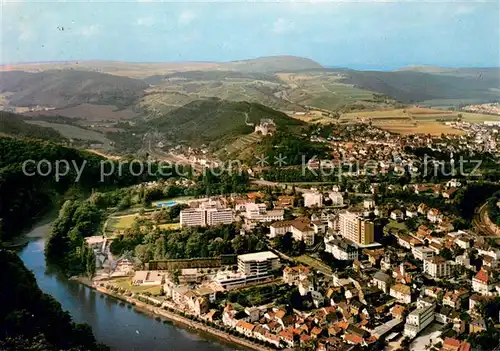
{"type": "Point", "coordinates": [73, 132]}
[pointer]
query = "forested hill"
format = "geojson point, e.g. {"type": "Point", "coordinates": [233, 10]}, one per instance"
{"type": "Point", "coordinates": [23, 197]}
{"type": "Point", "coordinates": [14, 124]}
{"type": "Point", "coordinates": [32, 320]}
{"type": "Point", "coordinates": [216, 120]}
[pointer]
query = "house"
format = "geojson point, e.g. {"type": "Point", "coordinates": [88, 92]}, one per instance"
{"type": "Point", "coordinates": [292, 275]}
{"type": "Point", "coordinates": [482, 282]}
{"type": "Point", "coordinates": [455, 299]}
{"type": "Point", "coordinates": [313, 199]}
{"type": "Point", "coordinates": [408, 241]}
{"type": "Point", "coordinates": [341, 250]}
{"type": "Point", "coordinates": [397, 215]}
{"type": "Point", "coordinates": [411, 212]}
{"type": "Point", "coordinates": [489, 261]}
{"type": "Point", "coordinates": [337, 198]}
{"type": "Point", "coordinates": [422, 253]}
{"type": "Point", "coordinates": [477, 326]}
{"type": "Point", "coordinates": [284, 201]}
{"type": "Point", "coordinates": [319, 227]}
{"type": "Point", "coordinates": [450, 344]}
{"type": "Point", "coordinates": [300, 229]}
{"type": "Point", "coordinates": [422, 209]}
{"type": "Point", "coordinates": [382, 281]}
{"type": "Point", "coordinates": [434, 215]}
{"type": "Point", "coordinates": [437, 267]}
{"type": "Point", "coordinates": [401, 292]}
{"type": "Point", "coordinates": [245, 328]}
{"type": "Point", "coordinates": [398, 311]}
{"type": "Point", "coordinates": [448, 194]}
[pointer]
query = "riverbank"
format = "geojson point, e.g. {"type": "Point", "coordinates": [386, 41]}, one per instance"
{"type": "Point", "coordinates": [153, 311]}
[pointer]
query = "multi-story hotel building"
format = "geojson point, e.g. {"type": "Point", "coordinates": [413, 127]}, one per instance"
{"type": "Point", "coordinates": [206, 215]}
{"type": "Point", "coordinates": [356, 228]}
{"type": "Point", "coordinates": [257, 263]}
{"type": "Point", "coordinates": [252, 268]}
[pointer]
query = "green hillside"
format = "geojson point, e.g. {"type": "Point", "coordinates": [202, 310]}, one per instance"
{"type": "Point", "coordinates": [216, 121]}
{"type": "Point", "coordinates": [13, 124]}
{"type": "Point", "coordinates": [61, 88]}
{"type": "Point", "coordinates": [411, 86]}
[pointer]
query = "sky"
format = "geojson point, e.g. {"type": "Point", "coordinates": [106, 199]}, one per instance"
{"type": "Point", "coordinates": [356, 34]}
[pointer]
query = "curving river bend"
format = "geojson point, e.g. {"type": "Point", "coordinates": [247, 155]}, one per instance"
{"type": "Point", "coordinates": [115, 325]}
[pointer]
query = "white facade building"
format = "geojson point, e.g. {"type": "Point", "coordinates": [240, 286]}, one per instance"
{"type": "Point", "coordinates": [419, 319]}
{"type": "Point", "coordinates": [313, 199]}
{"type": "Point", "coordinates": [437, 267]}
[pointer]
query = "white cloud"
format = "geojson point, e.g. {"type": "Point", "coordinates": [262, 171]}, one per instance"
{"type": "Point", "coordinates": [282, 25]}
{"type": "Point", "coordinates": [89, 31]}
{"type": "Point", "coordinates": [464, 10]}
{"type": "Point", "coordinates": [186, 17]}
{"type": "Point", "coordinates": [145, 21]}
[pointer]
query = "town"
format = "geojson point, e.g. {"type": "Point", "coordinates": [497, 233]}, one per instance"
{"type": "Point", "coordinates": [364, 262]}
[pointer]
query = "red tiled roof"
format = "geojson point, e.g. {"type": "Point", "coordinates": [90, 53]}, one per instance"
{"type": "Point", "coordinates": [353, 339]}
{"type": "Point", "coordinates": [245, 325]}
{"type": "Point", "coordinates": [482, 276]}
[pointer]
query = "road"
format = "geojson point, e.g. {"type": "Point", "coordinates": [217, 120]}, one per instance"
{"type": "Point", "coordinates": [480, 222]}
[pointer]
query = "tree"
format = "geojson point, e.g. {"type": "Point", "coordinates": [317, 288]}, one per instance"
{"type": "Point", "coordinates": [446, 254]}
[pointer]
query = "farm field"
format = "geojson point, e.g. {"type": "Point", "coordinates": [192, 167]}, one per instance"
{"type": "Point", "coordinates": [72, 132]}
{"type": "Point", "coordinates": [415, 120]}
{"type": "Point", "coordinates": [88, 113]}
{"type": "Point", "coordinates": [314, 263]}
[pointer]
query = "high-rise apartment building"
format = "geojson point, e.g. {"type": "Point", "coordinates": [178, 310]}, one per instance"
{"type": "Point", "coordinates": [355, 228]}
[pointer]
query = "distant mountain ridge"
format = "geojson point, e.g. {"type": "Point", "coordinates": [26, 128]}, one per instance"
{"type": "Point", "coordinates": [61, 88]}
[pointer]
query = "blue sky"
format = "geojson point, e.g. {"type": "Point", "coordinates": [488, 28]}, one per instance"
{"type": "Point", "coordinates": [359, 34]}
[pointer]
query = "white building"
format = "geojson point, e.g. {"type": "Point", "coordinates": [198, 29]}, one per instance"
{"type": "Point", "coordinates": [258, 213]}
{"type": "Point", "coordinates": [301, 231]}
{"type": "Point", "coordinates": [206, 215]}
{"type": "Point", "coordinates": [481, 282]}
{"type": "Point", "coordinates": [382, 281]}
{"type": "Point", "coordinates": [257, 263]}
{"type": "Point", "coordinates": [341, 250]}
{"type": "Point", "coordinates": [369, 204]}
{"type": "Point", "coordinates": [401, 292]}
{"type": "Point", "coordinates": [437, 267]}
{"type": "Point", "coordinates": [422, 253]}
{"type": "Point", "coordinates": [252, 268]}
{"type": "Point", "coordinates": [337, 198]}
{"type": "Point", "coordinates": [419, 319]}
{"type": "Point", "coordinates": [313, 199]}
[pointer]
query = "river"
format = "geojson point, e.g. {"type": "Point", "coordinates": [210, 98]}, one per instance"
{"type": "Point", "coordinates": [115, 325]}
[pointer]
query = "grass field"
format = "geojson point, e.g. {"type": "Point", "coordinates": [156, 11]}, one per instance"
{"type": "Point", "coordinates": [126, 283]}
{"type": "Point", "coordinates": [314, 263]}
{"type": "Point", "coordinates": [170, 226]}
{"type": "Point", "coordinates": [72, 132]}
{"type": "Point", "coordinates": [120, 223]}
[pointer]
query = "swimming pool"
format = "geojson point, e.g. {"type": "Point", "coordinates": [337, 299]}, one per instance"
{"type": "Point", "coordinates": [166, 204]}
